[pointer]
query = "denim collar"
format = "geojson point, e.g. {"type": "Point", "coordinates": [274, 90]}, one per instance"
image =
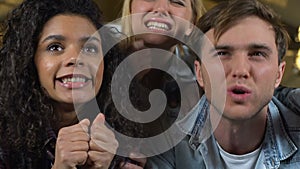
{"type": "Point", "coordinates": [196, 123]}
{"type": "Point", "coordinates": [277, 145]}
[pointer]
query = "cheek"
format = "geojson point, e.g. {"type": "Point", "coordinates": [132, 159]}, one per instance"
{"type": "Point", "coordinates": [188, 16]}
{"type": "Point", "coordinates": [46, 70]}
{"type": "Point", "coordinates": [186, 13]}
{"type": "Point", "coordinates": [99, 77]}
{"type": "Point", "coordinates": [137, 7]}
{"type": "Point", "coordinates": [265, 72]}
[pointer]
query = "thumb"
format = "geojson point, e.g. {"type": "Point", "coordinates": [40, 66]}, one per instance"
{"type": "Point", "coordinates": [85, 124]}
{"type": "Point", "coordinates": [100, 119]}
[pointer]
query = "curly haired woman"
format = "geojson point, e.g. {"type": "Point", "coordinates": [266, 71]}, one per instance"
{"type": "Point", "coordinates": [52, 61]}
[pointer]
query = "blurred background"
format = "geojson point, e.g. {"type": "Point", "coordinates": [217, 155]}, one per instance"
{"type": "Point", "coordinates": [287, 9]}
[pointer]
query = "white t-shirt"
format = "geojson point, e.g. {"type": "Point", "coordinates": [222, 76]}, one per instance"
{"type": "Point", "coordinates": [245, 161]}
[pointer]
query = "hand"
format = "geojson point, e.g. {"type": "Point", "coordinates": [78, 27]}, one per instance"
{"type": "Point", "coordinates": [72, 146]}
{"type": "Point", "coordinates": [103, 145]}
{"type": "Point", "coordinates": [136, 157]}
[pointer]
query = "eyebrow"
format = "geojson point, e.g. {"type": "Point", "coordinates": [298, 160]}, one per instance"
{"type": "Point", "coordinates": [219, 47]}
{"type": "Point", "coordinates": [90, 38]}
{"type": "Point", "coordinates": [251, 46]}
{"type": "Point", "coordinates": [54, 37]}
{"type": "Point", "coordinates": [260, 46]}
{"type": "Point", "coordinates": [62, 38]}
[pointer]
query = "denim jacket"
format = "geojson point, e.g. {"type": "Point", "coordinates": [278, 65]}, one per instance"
{"type": "Point", "coordinates": [199, 149]}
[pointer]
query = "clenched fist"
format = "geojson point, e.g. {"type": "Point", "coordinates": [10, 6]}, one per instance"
{"type": "Point", "coordinates": [76, 146]}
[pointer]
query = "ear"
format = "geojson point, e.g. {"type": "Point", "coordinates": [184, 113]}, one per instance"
{"type": "Point", "coordinates": [280, 73]}
{"type": "Point", "coordinates": [198, 73]}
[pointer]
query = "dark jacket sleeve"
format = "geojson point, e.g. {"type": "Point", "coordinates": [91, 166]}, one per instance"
{"type": "Point", "coordinates": [290, 97]}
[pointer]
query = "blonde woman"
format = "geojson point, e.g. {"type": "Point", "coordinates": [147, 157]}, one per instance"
{"type": "Point", "coordinates": [159, 24]}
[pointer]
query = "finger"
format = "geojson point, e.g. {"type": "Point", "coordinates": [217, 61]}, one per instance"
{"type": "Point", "coordinates": [102, 133]}
{"type": "Point", "coordinates": [102, 138]}
{"type": "Point", "coordinates": [79, 157]}
{"type": "Point", "coordinates": [85, 123]}
{"type": "Point", "coordinates": [100, 119]}
{"type": "Point", "coordinates": [100, 158]}
{"type": "Point", "coordinates": [104, 146]}
{"type": "Point", "coordinates": [99, 131]}
{"type": "Point", "coordinates": [70, 159]}
{"type": "Point", "coordinates": [73, 137]}
{"type": "Point", "coordinates": [72, 146]}
{"type": "Point", "coordinates": [81, 126]}
{"type": "Point", "coordinates": [72, 134]}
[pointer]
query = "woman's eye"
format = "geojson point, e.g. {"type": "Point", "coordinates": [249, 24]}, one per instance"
{"type": "Point", "coordinates": [178, 2]}
{"type": "Point", "coordinates": [90, 49]}
{"type": "Point", "coordinates": [55, 47]}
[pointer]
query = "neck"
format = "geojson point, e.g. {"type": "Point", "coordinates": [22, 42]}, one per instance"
{"type": "Point", "coordinates": [67, 115]}
{"type": "Point", "coordinates": [241, 136]}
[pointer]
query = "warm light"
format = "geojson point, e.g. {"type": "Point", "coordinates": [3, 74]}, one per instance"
{"type": "Point", "coordinates": [298, 34]}
{"type": "Point", "coordinates": [280, 3]}
{"type": "Point", "coordinates": [297, 62]}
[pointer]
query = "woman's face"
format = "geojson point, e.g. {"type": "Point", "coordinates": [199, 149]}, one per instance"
{"type": "Point", "coordinates": [161, 17]}
{"type": "Point", "coordinates": [69, 59]}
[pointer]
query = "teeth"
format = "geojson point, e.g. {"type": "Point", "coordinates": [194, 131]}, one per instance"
{"type": "Point", "coordinates": [158, 25]}
{"type": "Point", "coordinates": [73, 80]}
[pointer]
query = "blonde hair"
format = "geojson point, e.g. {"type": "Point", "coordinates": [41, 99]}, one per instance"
{"type": "Point", "coordinates": [197, 9]}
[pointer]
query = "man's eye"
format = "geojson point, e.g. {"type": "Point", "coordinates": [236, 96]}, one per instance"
{"type": "Point", "coordinates": [55, 47]}
{"type": "Point", "coordinates": [221, 53]}
{"type": "Point", "coordinates": [258, 53]}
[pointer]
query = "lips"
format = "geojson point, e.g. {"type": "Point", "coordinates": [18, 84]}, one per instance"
{"type": "Point", "coordinates": [74, 81]}
{"type": "Point", "coordinates": [160, 26]}
{"type": "Point", "coordinates": [239, 93]}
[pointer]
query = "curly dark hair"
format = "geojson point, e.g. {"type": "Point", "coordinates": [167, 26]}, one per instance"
{"type": "Point", "coordinates": [26, 111]}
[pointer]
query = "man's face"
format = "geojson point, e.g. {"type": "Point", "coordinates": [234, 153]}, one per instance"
{"type": "Point", "coordinates": [249, 68]}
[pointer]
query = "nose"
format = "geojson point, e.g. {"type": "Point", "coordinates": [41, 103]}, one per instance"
{"type": "Point", "coordinates": [73, 58]}
{"type": "Point", "coordinates": [240, 67]}
{"type": "Point", "coordinates": [161, 7]}
{"type": "Point", "coordinates": [74, 62]}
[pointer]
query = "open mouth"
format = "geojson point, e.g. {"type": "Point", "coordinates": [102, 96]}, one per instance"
{"type": "Point", "coordinates": [73, 81]}
{"type": "Point", "coordinates": [239, 91]}
{"type": "Point", "coordinates": [160, 26]}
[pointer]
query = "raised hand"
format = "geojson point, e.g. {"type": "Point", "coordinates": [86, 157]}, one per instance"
{"type": "Point", "coordinates": [72, 146]}
{"type": "Point", "coordinates": [103, 145]}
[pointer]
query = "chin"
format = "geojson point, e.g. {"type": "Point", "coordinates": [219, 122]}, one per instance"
{"type": "Point", "coordinates": [158, 40]}
{"type": "Point", "coordinates": [81, 100]}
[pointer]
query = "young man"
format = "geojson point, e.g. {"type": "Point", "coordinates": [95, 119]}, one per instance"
{"type": "Point", "coordinates": [250, 129]}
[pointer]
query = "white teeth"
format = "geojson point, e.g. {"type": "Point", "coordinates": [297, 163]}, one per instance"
{"type": "Point", "coordinates": [73, 80]}
{"type": "Point", "coordinates": [158, 26]}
